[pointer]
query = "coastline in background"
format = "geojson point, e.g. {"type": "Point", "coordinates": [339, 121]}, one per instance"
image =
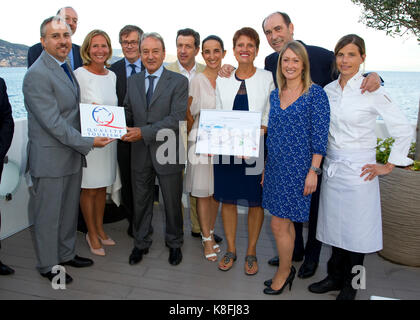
{"type": "Point", "coordinates": [403, 87]}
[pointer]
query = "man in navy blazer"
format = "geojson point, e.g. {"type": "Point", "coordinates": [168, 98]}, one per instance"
{"type": "Point", "coordinates": [278, 30]}
{"type": "Point", "coordinates": [129, 65]}
{"type": "Point", "coordinates": [70, 15]}
{"type": "Point", "coordinates": [6, 134]}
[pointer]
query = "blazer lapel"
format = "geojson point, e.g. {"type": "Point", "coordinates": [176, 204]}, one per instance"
{"type": "Point", "coordinates": [141, 87]}
{"type": "Point", "coordinates": [60, 73]}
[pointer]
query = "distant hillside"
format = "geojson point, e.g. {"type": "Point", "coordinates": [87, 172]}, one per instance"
{"type": "Point", "coordinates": [12, 55]}
{"type": "Point", "coordinates": [15, 55]}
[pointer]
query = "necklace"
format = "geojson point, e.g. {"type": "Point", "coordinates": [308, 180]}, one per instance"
{"type": "Point", "coordinates": [289, 95]}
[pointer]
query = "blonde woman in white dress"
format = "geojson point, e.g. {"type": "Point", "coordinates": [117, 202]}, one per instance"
{"type": "Point", "coordinates": [350, 210]}
{"type": "Point", "coordinates": [200, 179]}
{"type": "Point", "coordinates": [97, 86]}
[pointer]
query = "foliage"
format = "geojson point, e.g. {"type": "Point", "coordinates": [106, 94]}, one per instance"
{"type": "Point", "coordinates": [383, 149]}
{"type": "Point", "coordinates": [395, 17]}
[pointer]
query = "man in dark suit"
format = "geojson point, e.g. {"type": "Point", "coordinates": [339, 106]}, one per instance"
{"type": "Point", "coordinates": [6, 134]}
{"type": "Point", "coordinates": [155, 103]}
{"type": "Point", "coordinates": [74, 59]}
{"type": "Point", "coordinates": [56, 150]}
{"type": "Point", "coordinates": [278, 30]}
{"type": "Point", "coordinates": [131, 64]}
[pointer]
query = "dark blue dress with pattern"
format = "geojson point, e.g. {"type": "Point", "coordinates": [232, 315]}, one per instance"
{"type": "Point", "coordinates": [294, 135]}
{"type": "Point", "coordinates": [231, 183]}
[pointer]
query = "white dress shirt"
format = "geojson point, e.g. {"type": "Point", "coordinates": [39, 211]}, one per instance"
{"type": "Point", "coordinates": [189, 74]}
{"type": "Point", "coordinates": [353, 120]}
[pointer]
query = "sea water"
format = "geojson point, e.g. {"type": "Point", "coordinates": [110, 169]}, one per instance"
{"type": "Point", "coordinates": [403, 87]}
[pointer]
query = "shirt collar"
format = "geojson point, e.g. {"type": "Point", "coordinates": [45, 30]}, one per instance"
{"type": "Point", "coordinates": [137, 63]}
{"type": "Point", "coordinates": [158, 72]}
{"type": "Point", "coordinates": [354, 82]}
{"type": "Point", "coordinates": [182, 69]}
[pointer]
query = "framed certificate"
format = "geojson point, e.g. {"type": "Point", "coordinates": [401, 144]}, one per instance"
{"type": "Point", "coordinates": [102, 121]}
{"type": "Point", "coordinates": [235, 133]}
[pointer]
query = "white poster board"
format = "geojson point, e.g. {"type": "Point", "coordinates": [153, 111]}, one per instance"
{"type": "Point", "coordinates": [102, 121]}
{"type": "Point", "coordinates": [235, 133]}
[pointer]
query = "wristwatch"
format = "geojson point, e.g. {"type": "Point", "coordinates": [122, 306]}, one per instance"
{"type": "Point", "coordinates": [318, 171]}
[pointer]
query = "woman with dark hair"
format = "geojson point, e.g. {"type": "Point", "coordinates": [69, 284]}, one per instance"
{"type": "Point", "coordinates": [296, 142]}
{"type": "Point", "coordinates": [97, 86]}
{"type": "Point", "coordinates": [350, 210]}
{"type": "Point", "coordinates": [248, 89]}
{"type": "Point", "coordinates": [200, 178]}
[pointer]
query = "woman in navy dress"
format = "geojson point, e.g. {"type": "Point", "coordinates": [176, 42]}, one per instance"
{"type": "Point", "coordinates": [238, 181]}
{"type": "Point", "coordinates": [297, 140]}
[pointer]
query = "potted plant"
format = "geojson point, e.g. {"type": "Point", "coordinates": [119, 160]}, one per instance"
{"type": "Point", "coordinates": [400, 201]}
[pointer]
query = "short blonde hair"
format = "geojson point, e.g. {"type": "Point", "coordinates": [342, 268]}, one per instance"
{"type": "Point", "coordinates": [84, 50]}
{"type": "Point", "coordinates": [301, 52]}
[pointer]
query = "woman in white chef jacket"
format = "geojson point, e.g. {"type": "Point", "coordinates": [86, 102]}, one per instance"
{"type": "Point", "coordinates": [350, 211]}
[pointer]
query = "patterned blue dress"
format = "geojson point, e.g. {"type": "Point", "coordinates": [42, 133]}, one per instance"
{"type": "Point", "coordinates": [294, 135]}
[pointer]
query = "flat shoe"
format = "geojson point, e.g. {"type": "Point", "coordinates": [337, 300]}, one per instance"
{"type": "Point", "coordinates": [249, 265]}
{"type": "Point", "coordinates": [227, 259]}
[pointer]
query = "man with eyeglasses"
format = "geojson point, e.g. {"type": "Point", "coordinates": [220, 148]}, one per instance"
{"type": "Point", "coordinates": [73, 59]}
{"type": "Point", "coordinates": [131, 64]}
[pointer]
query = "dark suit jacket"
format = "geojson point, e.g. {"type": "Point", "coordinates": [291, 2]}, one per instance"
{"type": "Point", "coordinates": [6, 123]}
{"type": "Point", "coordinates": [320, 59]}
{"type": "Point", "coordinates": [167, 107]}
{"type": "Point", "coordinates": [120, 70]}
{"type": "Point", "coordinates": [35, 51]}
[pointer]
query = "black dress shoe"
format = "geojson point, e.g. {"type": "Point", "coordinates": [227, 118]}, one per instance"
{"type": "Point", "coordinates": [175, 256]}
{"type": "Point", "coordinates": [196, 234]}
{"type": "Point", "coordinates": [289, 281]}
{"type": "Point", "coordinates": [324, 286]}
{"type": "Point", "coordinates": [217, 239]}
{"type": "Point", "coordinates": [50, 276]}
{"type": "Point", "coordinates": [78, 262]}
{"type": "Point", "coordinates": [307, 269]}
{"type": "Point", "coordinates": [347, 293]}
{"type": "Point", "coordinates": [137, 255]}
{"type": "Point", "coordinates": [5, 270]}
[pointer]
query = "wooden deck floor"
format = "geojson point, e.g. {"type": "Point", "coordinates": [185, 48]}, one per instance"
{"type": "Point", "coordinates": [111, 277]}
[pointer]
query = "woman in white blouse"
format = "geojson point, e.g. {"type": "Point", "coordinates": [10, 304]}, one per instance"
{"type": "Point", "coordinates": [350, 211]}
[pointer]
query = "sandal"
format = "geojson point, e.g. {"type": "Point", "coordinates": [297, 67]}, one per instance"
{"type": "Point", "coordinates": [228, 258]}
{"type": "Point", "coordinates": [216, 247]}
{"type": "Point", "coordinates": [250, 262]}
{"type": "Point", "coordinates": [211, 256]}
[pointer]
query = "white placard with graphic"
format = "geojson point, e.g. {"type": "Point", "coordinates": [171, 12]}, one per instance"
{"type": "Point", "coordinates": [102, 121]}
{"type": "Point", "coordinates": [235, 133]}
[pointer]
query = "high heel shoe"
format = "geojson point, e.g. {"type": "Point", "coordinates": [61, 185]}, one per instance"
{"type": "Point", "coordinates": [288, 281]}
{"type": "Point", "coordinates": [211, 256]}
{"type": "Point", "coordinates": [99, 252]}
{"type": "Point", "coordinates": [107, 242]}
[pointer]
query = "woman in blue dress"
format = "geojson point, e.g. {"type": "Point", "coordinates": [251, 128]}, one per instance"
{"type": "Point", "coordinates": [297, 140]}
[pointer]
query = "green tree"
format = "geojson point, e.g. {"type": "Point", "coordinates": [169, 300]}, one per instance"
{"type": "Point", "coordinates": [395, 17]}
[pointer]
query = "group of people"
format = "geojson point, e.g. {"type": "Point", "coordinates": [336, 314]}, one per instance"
{"type": "Point", "coordinates": [317, 123]}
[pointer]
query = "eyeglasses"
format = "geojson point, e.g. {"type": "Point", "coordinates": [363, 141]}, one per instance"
{"type": "Point", "coordinates": [129, 43]}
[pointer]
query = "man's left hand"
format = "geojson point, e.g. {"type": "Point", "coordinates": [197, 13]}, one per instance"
{"type": "Point", "coordinates": [371, 82]}
{"type": "Point", "coordinates": [132, 135]}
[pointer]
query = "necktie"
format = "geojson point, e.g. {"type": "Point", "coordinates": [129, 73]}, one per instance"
{"type": "Point", "coordinates": [66, 70]}
{"type": "Point", "coordinates": [68, 61]}
{"type": "Point", "coordinates": [149, 93]}
{"type": "Point", "coordinates": [133, 69]}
